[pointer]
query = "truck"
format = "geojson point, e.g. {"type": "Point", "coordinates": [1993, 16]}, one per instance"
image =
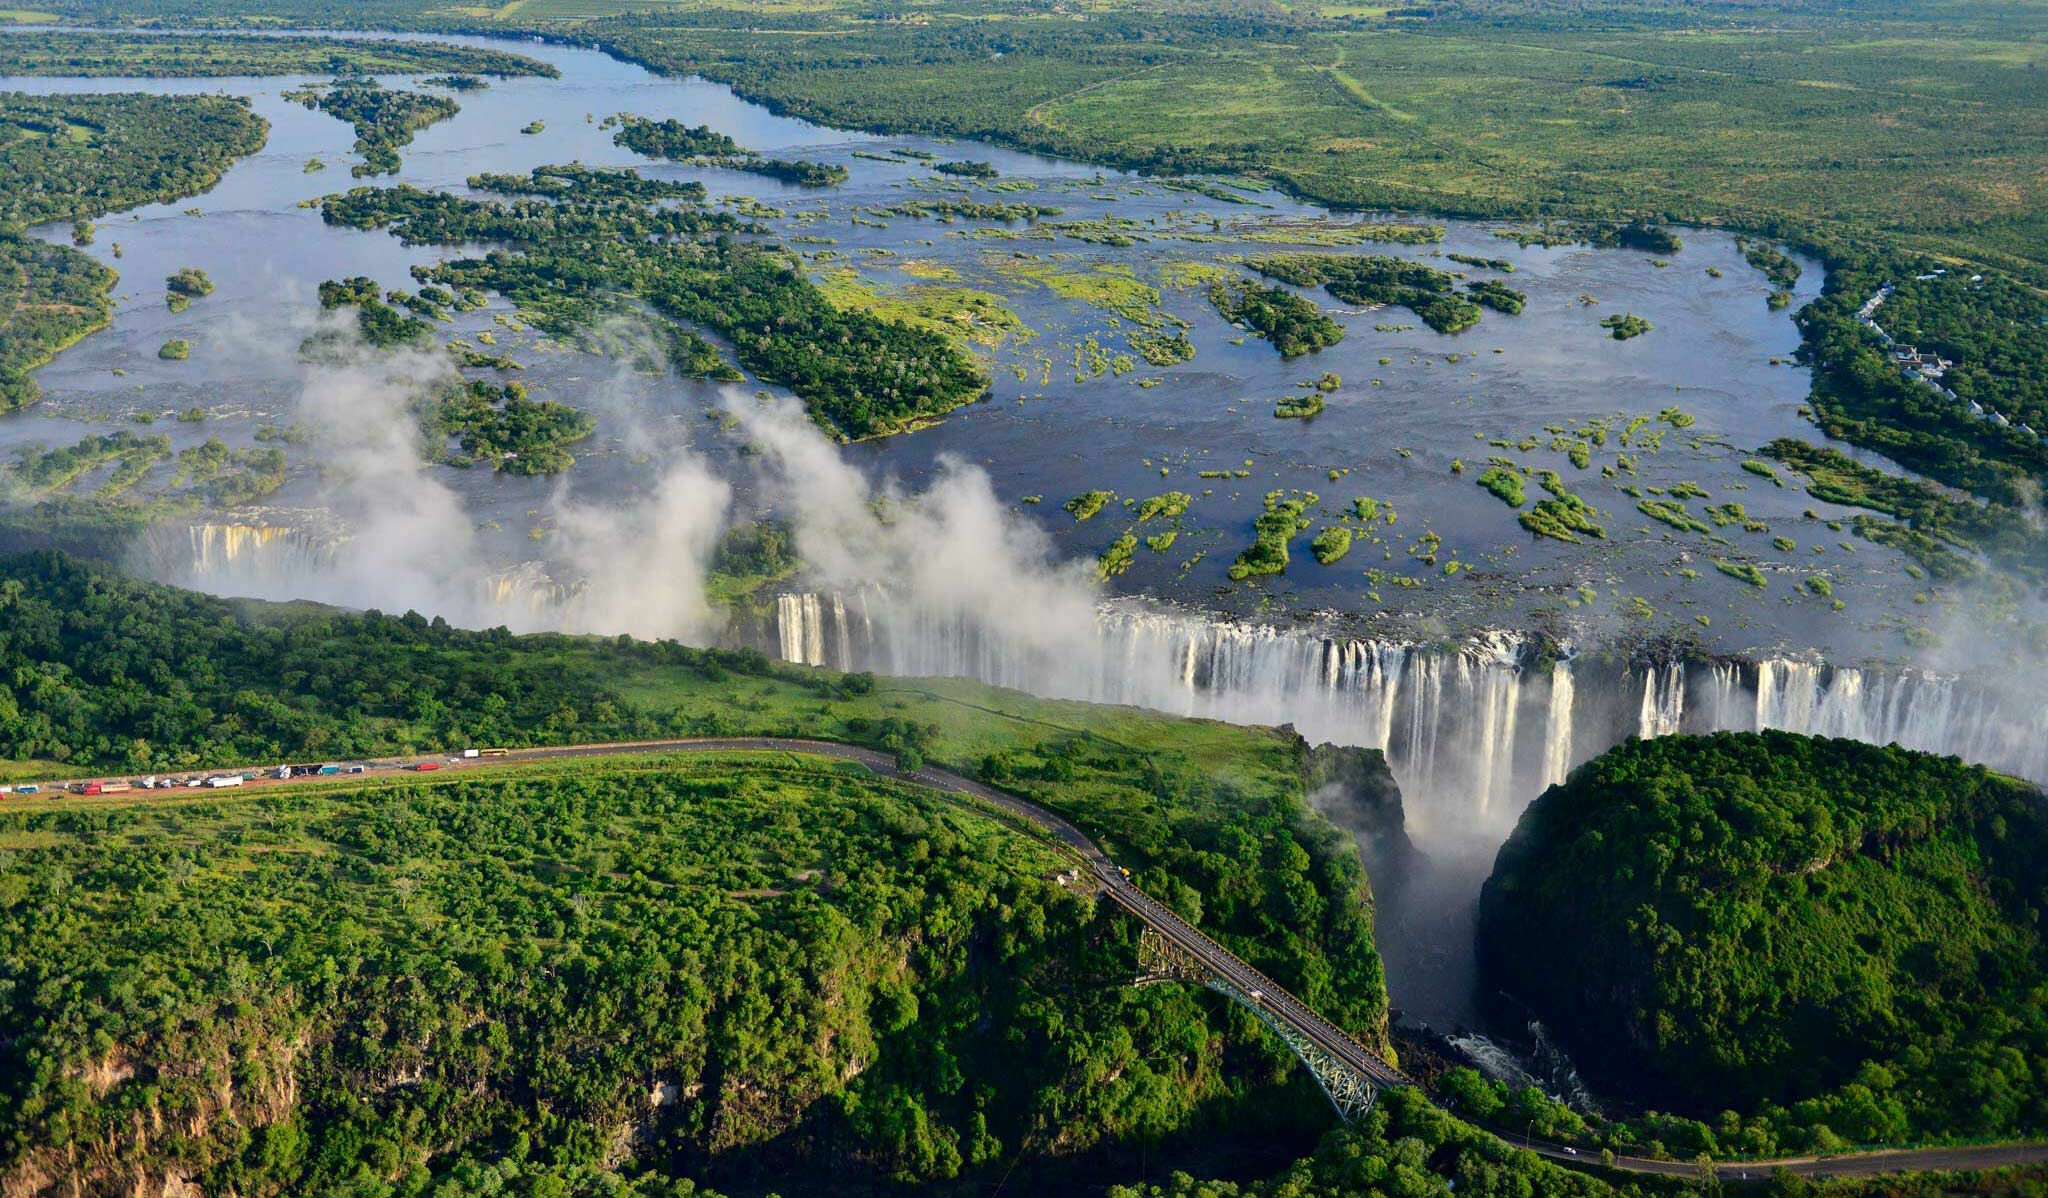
{"type": "Point", "coordinates": [424, 766]}
{"type": "Point", "coordinates": [472, 753]}
{"type": "Point", "coordinates": [108, 788]}
{"type": "Point", "coordinates": [329, 769]}
{"type": "Point", "coordinates": [225, 780]}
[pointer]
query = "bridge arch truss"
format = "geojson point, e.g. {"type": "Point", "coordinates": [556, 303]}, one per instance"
{"type": "Point", "coordinates": [1349, 1089]}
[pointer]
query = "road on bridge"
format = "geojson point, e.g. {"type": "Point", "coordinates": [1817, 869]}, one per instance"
{"type": "Point", "coordinates": [1212, 956]}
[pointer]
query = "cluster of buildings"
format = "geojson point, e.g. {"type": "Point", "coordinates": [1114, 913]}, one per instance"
{"type": "Point", "coordinates": [1926, 367]}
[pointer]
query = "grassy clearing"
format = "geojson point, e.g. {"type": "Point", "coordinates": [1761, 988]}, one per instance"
{"type": "Point", "coordinates": [966, 315]}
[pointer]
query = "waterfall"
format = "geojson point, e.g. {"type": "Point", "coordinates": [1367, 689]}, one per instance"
{"type": "Point", "coordinates": [1726, 707]}
{"type": "Point", "coordinates": [1557, 726]}
{"type": "Point", "coordinates": [298, 554]}
{"type": "Point", "coordinates": [1663, 708]}
{"type": "Point", "coordinates": [1469, 735]}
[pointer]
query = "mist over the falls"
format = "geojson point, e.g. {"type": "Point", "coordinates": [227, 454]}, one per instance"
{"type": "Point", "coordinates": [949, 581]}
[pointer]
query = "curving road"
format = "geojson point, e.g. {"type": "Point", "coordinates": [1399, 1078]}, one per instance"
{"type": "Point", "coordinates": [1212, 956]}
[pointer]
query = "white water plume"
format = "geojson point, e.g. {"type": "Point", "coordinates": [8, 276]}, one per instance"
{"type": "Point", "coordinates": [954, 559]}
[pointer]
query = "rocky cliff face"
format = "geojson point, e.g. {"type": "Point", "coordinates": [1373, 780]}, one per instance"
{"type": "Point", "coordinates": [1354, 789]}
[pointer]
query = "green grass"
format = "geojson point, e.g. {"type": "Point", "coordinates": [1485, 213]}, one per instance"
{"type": "Point", "coordinates": [74, 53]}
{"type": "Point", "coordinates": [1930, 133]}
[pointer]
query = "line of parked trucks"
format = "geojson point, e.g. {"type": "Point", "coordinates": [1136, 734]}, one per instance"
{"type": "Point", "coordinates": [220, 781]}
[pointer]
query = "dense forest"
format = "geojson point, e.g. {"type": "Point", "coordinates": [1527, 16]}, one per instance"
{"type": "Point", "coordinates": [104, 672]}
{"type": "Point", "coordinates": [674, 140]}
{"type": "Point", "coordinates": [83, 155]}
{"type": "Point", "coordinates": [1992, 327]}
{"type": "Point", "coordinates": [55, 52]}
{"type": "Point", "coordinates": [859, 375]}
{"type": "Point", "coordinates": [1827, 940]}
{"type": "Point", "coordinates": [52, 295]}
{"type": "Point", "coordinates": [756, 972]}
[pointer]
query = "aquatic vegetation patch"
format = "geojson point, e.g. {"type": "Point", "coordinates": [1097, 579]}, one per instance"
{"type": "Point", "coordinates": [1087, 504]}
{"type": "Point", "coordinates": [1743, 571]}
{"type": "Point", "coordinates": [1118, 557]}
{"type": "Point", "coordinates": [1622, 326]}
{"type": "Point", "coordinates": [1563, 516]}
{"type": "Point", "coordinates": [1320, 233]}
{"type": "Point", "coordinates": [1505, 483]}
{"type": "Point", "coordinates": [1670, 512]}
{"type": "Point", "coordinates": [1284, 519]}
{"type": "Point", "coordinates": [1107, 287]}
{"type": "Point", "coordinates": [1171, 505]}
{"type": "Point", "coordinates": [1497, 295]}
{"type": "Point", "coordinates": [1299, 407]}
{"type": "Point", "coordinates": [1499, 264]}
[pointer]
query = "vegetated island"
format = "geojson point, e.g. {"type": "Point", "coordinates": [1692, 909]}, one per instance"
{"type": "Point", "coordinates": [571, 263]}
{"type": "Point", "coordinates": [188, 284]}
{"type": "Point", "coordinates": [63, 52]}
{"type": "Point", "coordinates": [1836, 942]}
{"type": "Point", "coordinates": [1291, 322]}
{"type": "Point", "coordinates": [1622, 326]}
{"type": "Point", "coordinates": [678, 142]}
{"type": "Point", "coordinates": [385, 119]}
{"type": "Point", "coordinates": [72, 157]}
{"type": "Point", "coordinates": [1376, 279]}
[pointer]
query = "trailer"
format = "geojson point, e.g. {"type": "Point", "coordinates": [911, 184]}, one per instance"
{"type": "Point", "coordinates": [108, 788]}
{"type": "Point", "coordinates": [495, 752]}
{"type": "Point", "coordinates": [471, 753]}
{"type": "Point", "coordinates": [329, 769]}
{"type": "Point", "coordinates": [225, 780]}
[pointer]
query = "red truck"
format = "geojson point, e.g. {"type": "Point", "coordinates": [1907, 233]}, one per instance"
{"type": "Point", "coordinates": [424, 766]}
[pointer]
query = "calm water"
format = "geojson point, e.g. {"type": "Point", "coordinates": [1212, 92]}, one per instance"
{"type": "Point", "coordinates": [1710, 354]}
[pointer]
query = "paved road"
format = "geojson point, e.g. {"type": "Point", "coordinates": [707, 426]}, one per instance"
{"type": "Point", "coordinates": [1213, 956]}
{"type": "Point", "coordinates": [1850, 1164]}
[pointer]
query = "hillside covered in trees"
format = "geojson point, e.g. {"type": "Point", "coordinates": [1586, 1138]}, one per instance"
{"type": "Point", "coordinates": [748, 971]}
{"type": "Point", "coordinates": [1831, 941]}
{"type": "Point", "coordinates": [99, 672]}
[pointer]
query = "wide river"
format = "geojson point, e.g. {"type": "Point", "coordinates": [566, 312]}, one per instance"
{"type": "Point", "coordinates": [1412, 402]}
